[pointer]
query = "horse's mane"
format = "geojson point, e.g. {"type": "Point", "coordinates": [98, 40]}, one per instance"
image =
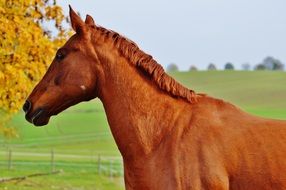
{"type": "Point", "coordinates": [149, 66]}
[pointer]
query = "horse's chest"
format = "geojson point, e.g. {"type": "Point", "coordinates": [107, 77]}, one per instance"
{"type": "Point", "coordinates": [155, 173]}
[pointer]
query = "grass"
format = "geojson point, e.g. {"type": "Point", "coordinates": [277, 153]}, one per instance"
{"type": "Point", "coordinates": [64, 180]}
{"type": "Point", "coordinates": [78, 135]}
{"type": "Point", "coordinates": [85, 131]}
{"type": "Point", "coordinates": [261, 93]}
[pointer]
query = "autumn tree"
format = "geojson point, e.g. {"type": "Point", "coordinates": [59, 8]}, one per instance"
{"type": "Point", "coordinates": [27, 48]}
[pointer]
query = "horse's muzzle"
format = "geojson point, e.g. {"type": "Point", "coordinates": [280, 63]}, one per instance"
{"type": "Point", "coordinates": [38, 117]}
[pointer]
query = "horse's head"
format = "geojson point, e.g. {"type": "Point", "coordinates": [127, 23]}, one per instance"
{"type": "Point", "coordinates": [70, 78]}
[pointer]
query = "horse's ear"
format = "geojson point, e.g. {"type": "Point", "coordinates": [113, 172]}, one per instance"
{"type": "Point", "coordinates": [89, 21]}
{"type": "Point", "coordinates": [76, 22]}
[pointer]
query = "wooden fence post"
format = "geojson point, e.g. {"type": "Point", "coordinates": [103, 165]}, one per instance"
{"type": "Point", "coordinates": [52, 160]}
{"type": "Point", "coordinates": [98, 164]}
{"type": "Point", "coordinates": [110, 169]}
{"type": "Point", "coordinates": [9, 159]}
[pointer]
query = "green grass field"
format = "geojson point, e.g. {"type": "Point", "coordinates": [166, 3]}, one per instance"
{"type": "Point", "coordinates": [80, 136]}
{"type": "Point", "coordinates": [259, 92]}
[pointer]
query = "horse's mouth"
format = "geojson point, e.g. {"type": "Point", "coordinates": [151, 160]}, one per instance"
{"type": "Point", "coordinates": [38, 118]}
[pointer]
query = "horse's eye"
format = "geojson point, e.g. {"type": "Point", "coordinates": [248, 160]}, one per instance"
{"type": "Point", "coordinates": [59, 56]}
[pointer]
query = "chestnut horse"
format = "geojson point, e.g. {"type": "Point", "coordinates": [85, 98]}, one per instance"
{"type": "Point", "coordinates": [169, 136]}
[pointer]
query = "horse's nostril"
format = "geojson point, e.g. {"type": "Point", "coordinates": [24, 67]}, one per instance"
{"type": "Point", "coordinates": [27, 106]}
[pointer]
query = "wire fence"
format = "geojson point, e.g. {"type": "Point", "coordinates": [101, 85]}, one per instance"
{"type": "Point", "coordinates": [111, 166]}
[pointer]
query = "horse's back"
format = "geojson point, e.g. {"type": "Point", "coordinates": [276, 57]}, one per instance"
{"type": "Point", "coordinates": [248, 150]}
{"type": "Point", "coordinates": [260, 155]}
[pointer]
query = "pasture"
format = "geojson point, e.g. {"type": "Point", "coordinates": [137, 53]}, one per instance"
{"type": "Point", "coordinates": [79, 143]}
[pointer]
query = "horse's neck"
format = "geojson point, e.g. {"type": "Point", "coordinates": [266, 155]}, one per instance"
{"type": "Point", "coordinates": [139, 114]}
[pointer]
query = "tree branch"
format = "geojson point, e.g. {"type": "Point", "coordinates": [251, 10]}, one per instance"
{"type": "Point", "coordinates": [20, 178]}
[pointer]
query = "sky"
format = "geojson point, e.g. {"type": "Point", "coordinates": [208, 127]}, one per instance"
{"type": "Point", "coordinates": [195, 32]}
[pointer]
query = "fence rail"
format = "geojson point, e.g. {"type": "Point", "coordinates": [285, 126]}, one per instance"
{"type": "Point", "coordinates": [100, 164]}
{"type": "Point", "coordinates": [59, 139]}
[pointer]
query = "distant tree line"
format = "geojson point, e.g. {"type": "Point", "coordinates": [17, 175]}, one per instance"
{"type": "Point", "coordinates": [268, 63]}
